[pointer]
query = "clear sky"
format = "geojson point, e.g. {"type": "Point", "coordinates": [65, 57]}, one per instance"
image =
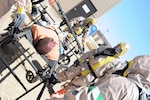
{"type": "Point", "coordinates": [128, 22]}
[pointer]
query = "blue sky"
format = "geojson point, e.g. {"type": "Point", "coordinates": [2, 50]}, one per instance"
{"type": "Point", "coordinates": [128, 22]}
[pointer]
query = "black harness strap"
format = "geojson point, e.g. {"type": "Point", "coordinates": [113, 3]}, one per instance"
{"type": "Point", "coordinates": [121, 72]}
{"type": "Point", "coordinates": [91, 70]}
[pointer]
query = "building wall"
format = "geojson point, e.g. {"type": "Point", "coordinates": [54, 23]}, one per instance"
{"type": "Point", "coordinates": [102, 6]}
{"type": "Point", "coordinates": [69, 4]}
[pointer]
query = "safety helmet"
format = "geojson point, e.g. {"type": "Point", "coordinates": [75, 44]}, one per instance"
{"type": "Point", "coordinates": [43, 46]}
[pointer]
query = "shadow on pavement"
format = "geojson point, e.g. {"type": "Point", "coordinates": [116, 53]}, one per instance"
{"type": "Point", "coordinates": [9, 53]}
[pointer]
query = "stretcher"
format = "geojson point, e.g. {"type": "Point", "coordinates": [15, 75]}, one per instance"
{"type": "Point", "coordinates": [46, 74]}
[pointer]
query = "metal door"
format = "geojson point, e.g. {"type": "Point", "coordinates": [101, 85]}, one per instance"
{"type": "Point", "coordinates": [85, 9]}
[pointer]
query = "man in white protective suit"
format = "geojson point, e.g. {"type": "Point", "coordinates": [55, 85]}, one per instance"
{"type": "Point", "coordinates": [138, 71]}
{"type": "Point", "coordinates": [132, 82]}
{"type": "Point", "coordinates": [94, 69]}
{"type": "Point", "coordinates": [15, 11]}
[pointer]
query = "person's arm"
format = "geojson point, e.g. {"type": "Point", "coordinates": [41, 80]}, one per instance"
{"type": "Point", "coordinates": [101, 51]}
{"type": "Point", "coordinates": [120, 49]}
{"type": "Point", "coordinates": [69, 74]}
{"type": "Point", "coordinates": [34, 30]}
{"type": "Point", "coordinates": [91, 53]}
{"type": "Point", "coordinates": [50, 27]}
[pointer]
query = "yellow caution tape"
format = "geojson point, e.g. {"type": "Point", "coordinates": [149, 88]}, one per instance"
{"type": "Point", "coordinates": [130, 64]}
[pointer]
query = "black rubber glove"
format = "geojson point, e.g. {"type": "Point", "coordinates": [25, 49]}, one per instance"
{"type": "Point", "coordinates": [76, 62]}
{"type": "Point", "coordinates": [35, 11]}
{"type": "Point", "coordinates": [106, 52]}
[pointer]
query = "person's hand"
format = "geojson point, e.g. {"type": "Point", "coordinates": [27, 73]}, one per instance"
{"type": "Point", "coordinates": [20, 17]}
{"type": "Point", "coordinates": [34, 10]}
{"type": "Point", "coordinates": [58, 94]}
{"type": "Point", "coordinates": [76, 62]}
{"type": "Point", "coordinates": [19, 20]}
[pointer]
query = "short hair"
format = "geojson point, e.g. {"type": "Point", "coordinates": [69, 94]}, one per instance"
{"type": "Point", "coordinates": [43, 46]}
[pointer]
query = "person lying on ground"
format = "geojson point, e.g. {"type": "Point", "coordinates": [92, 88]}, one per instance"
{"type": "Point", "coordinates": [46, 41]}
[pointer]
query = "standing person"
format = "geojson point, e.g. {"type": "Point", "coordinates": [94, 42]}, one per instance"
{"type": "Point", "coordinates": [18, 7]}
{"type": "Point", "coordinates": [26, 5]}
{"type": "Point", "coordinates": [91, 65]}
{"type": "Point", "coordinates": [138, 71]}
{"type": "Point", "coordinates": [107, 87]}
{"type": "Point", "coordinates": [81, 26]}
{"type": "Point", "coordinates": [46, 42]}
{"type": "Point", "coordinates": [16, 12]}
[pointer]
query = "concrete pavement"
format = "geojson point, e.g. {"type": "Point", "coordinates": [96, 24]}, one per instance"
{"type": "Point", "coordinates": [10, 89]}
